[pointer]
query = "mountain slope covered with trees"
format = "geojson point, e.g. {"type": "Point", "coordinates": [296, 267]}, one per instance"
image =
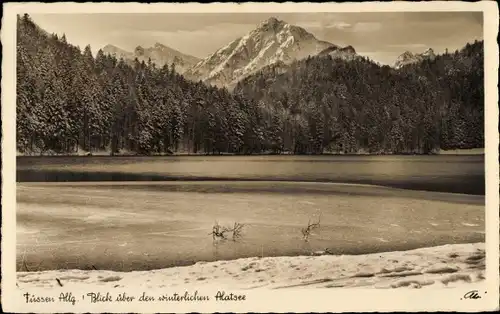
{"type": "Point", "coordinates": [324, 103]}
{"type": "Point", "coordinates": [69, 100]}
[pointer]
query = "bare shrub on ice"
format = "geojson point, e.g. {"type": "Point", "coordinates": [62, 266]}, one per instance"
{"type": "Point", "coordinates": [306, 232]}
{"type": "Point", "coordinates": [220, 232]}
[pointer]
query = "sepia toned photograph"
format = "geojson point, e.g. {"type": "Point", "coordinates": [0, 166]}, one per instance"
{"type": "Point", "coordinates": [278, 151]}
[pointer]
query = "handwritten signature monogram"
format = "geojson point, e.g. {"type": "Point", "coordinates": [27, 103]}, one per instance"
{"type": "Point", "coordinates": [472, 295]}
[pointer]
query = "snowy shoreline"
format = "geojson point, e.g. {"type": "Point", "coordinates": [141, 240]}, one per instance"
{"type": "Point", "coordinates": [441, 266]}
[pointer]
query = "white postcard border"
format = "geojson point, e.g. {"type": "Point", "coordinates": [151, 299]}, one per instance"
{"type": "Point", "coordinates": [283, 300]}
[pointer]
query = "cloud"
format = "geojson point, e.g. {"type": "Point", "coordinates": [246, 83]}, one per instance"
{"type": "Point", "coordinates": [323, 25]}
{"type": "Point", "coordinates": [364, 27]}
{"type": "Point", "coordinates": [339, 25]}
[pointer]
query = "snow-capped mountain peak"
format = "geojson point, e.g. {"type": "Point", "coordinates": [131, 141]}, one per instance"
{"type": "Point", "coordinates": [408, 57]}
{"type": "Point", "coordinates": [117, 52]}
{"type": "Point", "coordinates": [429, 53]}
{"type": "Point", "coordinates": [158, 53]}
{"type": "Point", "coordinates": [349, 49]}
{"type": "Point", "coordinates": [273, 40]}
{"type": "Point", "coordinates": [271, 23]}
{"type": "Point", "coordinates": [139, 51]}
{"type": "Point", "coordinates": [345, 53]}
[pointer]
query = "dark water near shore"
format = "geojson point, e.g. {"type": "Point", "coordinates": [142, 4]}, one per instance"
{"type": "Point", "coordinates": [84, 212]}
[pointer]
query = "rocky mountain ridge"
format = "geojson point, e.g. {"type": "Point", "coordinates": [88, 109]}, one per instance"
{"type": "Point", "coordinates": [159, 54]}
{"type": "Point", "coordinates": [408, 57]}
{"type": "Point", "coordinates": [272, 41]}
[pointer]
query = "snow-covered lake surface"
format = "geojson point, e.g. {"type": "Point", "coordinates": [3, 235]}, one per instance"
{"type": "Point", "coordinates": [367, 204]}
{"type": "Point", "coordinates": [134, 226]}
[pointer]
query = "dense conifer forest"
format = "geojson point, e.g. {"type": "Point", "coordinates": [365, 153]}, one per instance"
{"type": "Point", "coordinates": [325, 103]}
{"type": "Point", "coordinates": [68, 100]}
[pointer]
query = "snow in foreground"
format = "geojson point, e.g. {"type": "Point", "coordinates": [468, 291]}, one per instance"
{"type": "Point", "coordinates": [441, 266]}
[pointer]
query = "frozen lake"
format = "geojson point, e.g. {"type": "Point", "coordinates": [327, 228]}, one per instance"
{"type": "Point", "coordinates": [390, 203]}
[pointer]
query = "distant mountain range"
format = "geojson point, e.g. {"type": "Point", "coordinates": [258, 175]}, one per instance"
{"type": "Point", "coordinates": [159, 54]}
{"type": "Point", "coordinates": [272, 42]}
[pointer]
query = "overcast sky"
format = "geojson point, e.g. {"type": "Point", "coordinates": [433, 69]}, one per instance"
{"type": "Point", "coordinates": [380, 36]}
